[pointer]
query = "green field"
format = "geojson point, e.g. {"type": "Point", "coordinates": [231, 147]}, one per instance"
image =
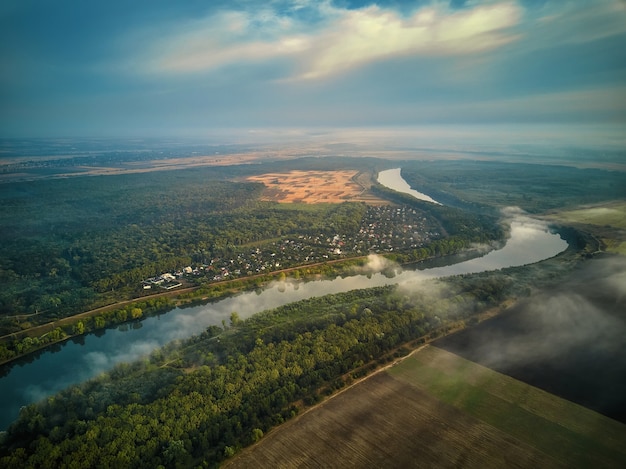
{"type": "Point", "coordinates": [611, 214]}
{"type": "Point", "coordinates": [609, 221]}
{"type": "Point", "coordinates": [569, 433]}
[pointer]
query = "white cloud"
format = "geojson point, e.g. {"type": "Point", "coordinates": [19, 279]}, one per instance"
{"type": "Point", "coordinates": [345, 39]}
{"type": "Point", "coordinates": [574, 22]}
{"type": "Point", "coordinates": [362, 36]}
{"type": "Point", "coordinates": [222, 39]}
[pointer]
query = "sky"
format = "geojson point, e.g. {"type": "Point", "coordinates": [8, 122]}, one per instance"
{"type": "Point", "coordinates": [186, 68]}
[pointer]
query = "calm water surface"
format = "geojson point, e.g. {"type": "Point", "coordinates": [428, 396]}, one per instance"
{"type": "Point", "coordinates": [392, 179]}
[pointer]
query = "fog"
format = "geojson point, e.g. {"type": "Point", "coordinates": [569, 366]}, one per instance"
{"type": "Point", "coordinates": [568, 339]}
{"type": "Point", "coordinates": [552, 326]}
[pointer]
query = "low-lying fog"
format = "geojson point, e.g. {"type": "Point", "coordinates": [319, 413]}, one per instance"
{"type": "Point", "coordinates": [568, 341]}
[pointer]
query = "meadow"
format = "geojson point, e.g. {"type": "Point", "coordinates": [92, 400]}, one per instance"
{"type": "Point", "coordinates": [608, 221]}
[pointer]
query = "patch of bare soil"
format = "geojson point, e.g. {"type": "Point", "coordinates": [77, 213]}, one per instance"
{"type": "Point", "coordinates": [313, 187]}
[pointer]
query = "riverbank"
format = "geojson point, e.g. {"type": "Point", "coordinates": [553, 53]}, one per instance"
{"type": "Point", "coordinates": [23, 343]}
{"type": "Point", "coordinates": [66, 328]}
{"type": "Point", "coordinates": [202, 294]}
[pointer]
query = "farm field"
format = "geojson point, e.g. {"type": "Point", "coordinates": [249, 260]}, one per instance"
{"type": "Point", "coordinates": [608, 221]}
{"type": "Point", "coordinates": [70, 165]}
{"type": "Point", "coordinates": [570, 433]}
{"type": "Point", "coordinates": [314, 187]}
{"type": "Point", "coordinates": [613, 214]}
{"type": "Point", "coordinates": [435, 409]}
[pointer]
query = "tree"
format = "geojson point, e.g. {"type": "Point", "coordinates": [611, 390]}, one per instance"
{"type": "Point", "coordinates": [174, 450]}
{"type": "Point", "coordinates": [257, 434]}
{"type": "Point", "coordinates": [121, 315]}
{"type": "Point", "coordinates": [234, 319]}
{"type": "Point", "coordinates": [79, 328]}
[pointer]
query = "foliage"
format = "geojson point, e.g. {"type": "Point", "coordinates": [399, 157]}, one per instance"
{"type": "Point", "coordinates": [68, 328]}
{"type": "Point", "coordinates": [480, 186]}
{"type": "Point", "coordinates": [202, 399]}
{"type": "Point", "coordinates": [72, 244]}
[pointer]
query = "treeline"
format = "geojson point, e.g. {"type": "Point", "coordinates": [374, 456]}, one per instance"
{"type": "Point", "coordinates": [197, 402]}
{"type": "Point", "coordinates": [13, 348]}
{"type": "Point", "coordinates": [481, 186]}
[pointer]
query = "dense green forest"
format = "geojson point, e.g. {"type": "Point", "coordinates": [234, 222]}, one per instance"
{"type": "Point", "coordinates": [69, 245]}
{"type": "Point", "coordinates": [196, 402]}
{"type": "Point", "coordinates": [67, 242]}
{"type": "Point", "coordinates": [479, 185]}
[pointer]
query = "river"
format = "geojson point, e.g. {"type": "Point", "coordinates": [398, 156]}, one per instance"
{"type": "Point", "coordinates": [394, 180]}
{"type": "Point", "coordinates": [77, 360]}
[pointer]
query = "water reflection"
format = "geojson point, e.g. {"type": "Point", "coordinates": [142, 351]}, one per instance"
{"type": "Point", "coordinates": [391, 178]}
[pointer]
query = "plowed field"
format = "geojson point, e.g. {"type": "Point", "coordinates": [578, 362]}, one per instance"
{"type": "Point", "coordinates": [437, 410]}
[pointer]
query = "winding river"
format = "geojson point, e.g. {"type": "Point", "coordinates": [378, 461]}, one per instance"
{"type": "Point", "coordinates": [77, 360]}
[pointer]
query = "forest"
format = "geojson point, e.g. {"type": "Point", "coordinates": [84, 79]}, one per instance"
{"type": "Point", "coordinates": [486, 185]}
{"type": "Point", "coordinates": [70, 245]}
{"type": "Point", "coordinates": [197, 402]}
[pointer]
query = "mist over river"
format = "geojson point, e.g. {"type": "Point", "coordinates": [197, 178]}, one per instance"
{"type": "Point", "coordinates": [41, 375]}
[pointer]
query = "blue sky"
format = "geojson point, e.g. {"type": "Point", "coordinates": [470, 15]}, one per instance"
{"type": "Point", "coordinates": [165, 68]}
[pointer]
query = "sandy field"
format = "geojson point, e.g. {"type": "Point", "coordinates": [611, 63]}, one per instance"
{"type": "Point", "coordinates": [314, 187]}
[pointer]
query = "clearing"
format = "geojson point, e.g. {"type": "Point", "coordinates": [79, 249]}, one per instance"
{"type": "Point", "coordinates": [314, 187]}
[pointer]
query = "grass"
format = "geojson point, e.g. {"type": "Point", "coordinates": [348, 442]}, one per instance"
{"type": "Point", "coordinates": [570, 433]}
{"type": "Point", "coordinates": [610, 214]}
{"type": "Point", "coordinates": [608, 222]}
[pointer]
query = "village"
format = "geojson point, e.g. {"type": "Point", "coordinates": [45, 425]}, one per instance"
{"type": "Point", "coordinates": [384, 229]}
